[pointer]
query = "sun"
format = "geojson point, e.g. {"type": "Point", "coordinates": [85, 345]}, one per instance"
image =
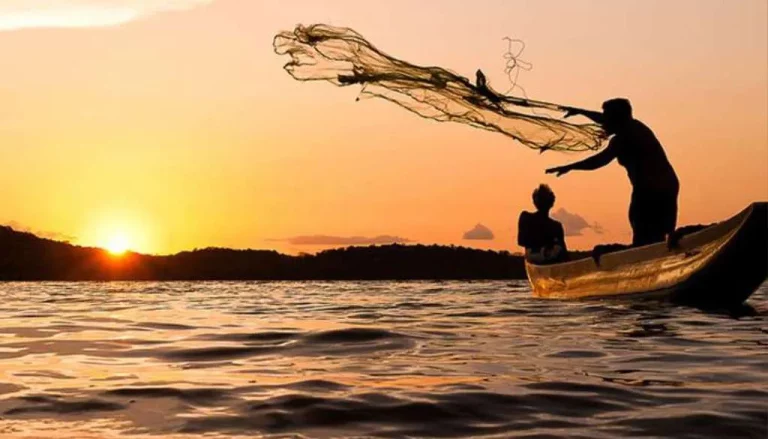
{"type": "Point", "coordinates": [118, 244]}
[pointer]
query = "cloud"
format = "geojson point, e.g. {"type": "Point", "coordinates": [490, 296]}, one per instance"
{"type": "Point", "coordinates": [480, 232]}
{"type": "Point", "coordinates": [574, 224]}
{"type": "Point", "coordinates": [56, 236]}
{"type": "Point", "coordinates": [21, 14]}
{"type": "Point", "coordinates": [326, 240]}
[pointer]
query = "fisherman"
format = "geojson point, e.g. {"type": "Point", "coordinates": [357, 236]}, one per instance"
{"type": "Point", "coordinates": [653, 207]}
{"type": "Point", "coordinates": [542, 237]}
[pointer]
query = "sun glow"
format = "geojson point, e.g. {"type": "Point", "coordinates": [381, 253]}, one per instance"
{"type": "Point", "coordinates": [118, 244]}
{"type": "Point", "coordinates": [119, 230]}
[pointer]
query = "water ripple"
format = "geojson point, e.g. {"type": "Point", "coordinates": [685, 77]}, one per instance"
{"type": "Point", "coordinates": [372, 359]}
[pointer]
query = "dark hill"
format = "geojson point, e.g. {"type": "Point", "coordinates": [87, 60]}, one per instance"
{"type": "Point", "coordinates": [24, 256]}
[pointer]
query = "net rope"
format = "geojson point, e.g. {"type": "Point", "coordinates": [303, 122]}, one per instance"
{"type": "Point", "coordinates": [343, 57]}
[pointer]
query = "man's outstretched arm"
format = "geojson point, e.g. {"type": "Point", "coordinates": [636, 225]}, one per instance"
{"type": "Point", "coordinates": [594, 116]}
{"type": "Point", "coordinates": [597, 161]}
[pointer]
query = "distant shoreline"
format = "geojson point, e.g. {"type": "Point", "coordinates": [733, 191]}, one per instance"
{"type": "Point", "coordinates": [26, 257]}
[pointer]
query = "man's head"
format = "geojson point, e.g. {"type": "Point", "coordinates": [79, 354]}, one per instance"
{"type": "Point", "coordinates": [543, 198]}
{"type": "Point", "coordinates": [616, 112]}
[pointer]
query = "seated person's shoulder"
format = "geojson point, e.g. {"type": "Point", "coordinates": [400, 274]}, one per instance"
{"type": "Point", "coordinates": [557, 225]}
{"type": "Point", "coordinates": [526, 219]}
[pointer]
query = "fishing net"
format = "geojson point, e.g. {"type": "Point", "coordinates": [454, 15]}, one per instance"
{"type": "Point", "coordinates": [343, 57]}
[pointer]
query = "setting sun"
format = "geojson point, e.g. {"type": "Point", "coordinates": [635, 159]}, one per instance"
{"type": "Point", "coordinates": [118, 230]}
{"type": "Point", "coordinates": [117, 244]}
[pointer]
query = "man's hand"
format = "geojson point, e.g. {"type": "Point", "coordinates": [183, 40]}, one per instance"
{"type": "Point", "coordinates": [558, 171]}
{"type": "Point", "coordinates": [570, 111]}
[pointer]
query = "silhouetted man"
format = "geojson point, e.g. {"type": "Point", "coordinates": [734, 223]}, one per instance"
{"type": "Point", "coordinates": [653, 208]}
{"type": "Point", "coordinates": [542, 237]}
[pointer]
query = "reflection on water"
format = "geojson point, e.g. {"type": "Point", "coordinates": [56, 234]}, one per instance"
{"type": "Point", "coordinates": [330, 359]}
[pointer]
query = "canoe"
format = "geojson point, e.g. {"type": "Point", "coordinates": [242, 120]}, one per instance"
{"type": "Point", "coordinates": [718, 266]}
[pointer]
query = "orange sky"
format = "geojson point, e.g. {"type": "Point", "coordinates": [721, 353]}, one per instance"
{"type": "Point", "coordinates": [172, 122]}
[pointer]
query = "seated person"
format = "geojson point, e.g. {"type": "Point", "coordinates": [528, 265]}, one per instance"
{"type": "Point", "coordinates": [542, 237]}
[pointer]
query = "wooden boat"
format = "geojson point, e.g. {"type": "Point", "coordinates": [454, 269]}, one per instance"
{"type": "Point", "coordinates": [720, 265]}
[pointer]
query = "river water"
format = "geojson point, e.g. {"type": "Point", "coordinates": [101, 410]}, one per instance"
{"type": "Point", "coordinates": [362, 359]}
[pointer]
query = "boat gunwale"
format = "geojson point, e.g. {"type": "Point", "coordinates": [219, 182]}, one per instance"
{"type": "Point", "coordinates": [745, 213]}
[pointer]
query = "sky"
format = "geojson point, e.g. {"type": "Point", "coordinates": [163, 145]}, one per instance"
{"type": "Point", "coordinates": [169, 125]}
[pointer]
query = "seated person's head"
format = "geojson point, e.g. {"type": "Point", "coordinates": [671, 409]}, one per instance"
{"type": "Point", "coordinates": [543, 198]}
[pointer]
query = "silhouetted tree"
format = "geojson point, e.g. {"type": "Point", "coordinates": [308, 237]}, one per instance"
{"type": "Point", "coordinates": [24, 256]}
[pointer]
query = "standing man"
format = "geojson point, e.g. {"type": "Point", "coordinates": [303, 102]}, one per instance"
{"type": "Point", "coordinates": [653, 209]}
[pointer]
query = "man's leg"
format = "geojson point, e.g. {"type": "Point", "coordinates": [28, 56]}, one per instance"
{"type": "Point", "coordinates": [651, 216]}
{"type": "Point", "coordinates": [670, 210]}
{"type": "Point", "coordinates": [638, 219]}
{"type": "Point", "coordinates": [647, 233]}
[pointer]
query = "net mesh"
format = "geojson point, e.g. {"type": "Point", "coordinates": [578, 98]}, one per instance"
{"type": "Point", "coordinates": [343, 57]}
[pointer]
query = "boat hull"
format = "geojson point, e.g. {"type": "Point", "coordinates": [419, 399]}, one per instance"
{"type": "Point", "coordinates": [721, 265]}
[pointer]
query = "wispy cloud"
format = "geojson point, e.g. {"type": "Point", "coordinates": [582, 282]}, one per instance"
{"type": "Point", "coordinates": [479, 232]}
{"type": "Point", "coordinates": [21, 14]}
{"type": "Point", "coordinates": [326, 240]}
{"type": "Point", "coordinates": [56, 236]}
{"type": "Point", "coordinates": [574, 223]}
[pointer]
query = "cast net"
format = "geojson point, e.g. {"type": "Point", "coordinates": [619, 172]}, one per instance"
{"type": "Point", "coordinates": [343, 57]}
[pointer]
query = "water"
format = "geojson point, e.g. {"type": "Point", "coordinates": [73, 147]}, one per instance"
{"type": "Point", "coordinates": [354, 359]}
